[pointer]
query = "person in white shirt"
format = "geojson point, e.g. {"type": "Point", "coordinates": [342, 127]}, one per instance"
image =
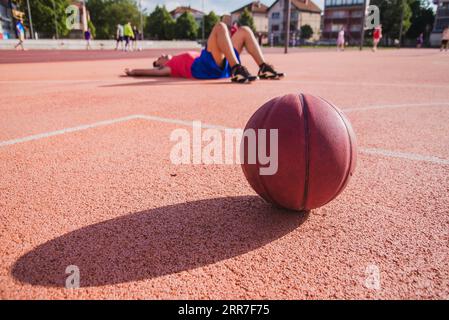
{"type": "Point", "coordinates": [119, 37]}
{"type": "Point", "coordinates": [341, 40]}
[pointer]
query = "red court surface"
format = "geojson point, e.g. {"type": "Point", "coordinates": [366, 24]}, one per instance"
{"type": "Point", "coordinates": [86, 180]}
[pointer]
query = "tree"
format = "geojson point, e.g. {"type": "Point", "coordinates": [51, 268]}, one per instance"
{"type": "Point", "coordinates": [306, 32]}
{"type": "Point", "coordinates": [422, 18]}
{"type": "Point", "coordinates": [44, 15]}
{"type": "Point", "coordinates": [106, 14]}
{"type": "Point", "coordinates": [390, 17]}
{"type": "Point", "coordinates": [186, 27]}
{"type": "Point", "coordinates": [246, 19]}
{"type": "Point", "coordinates": [210, 20]}
{"type": "Point", "coordinates": [160, 24]}
{"type": "Point", "coordinates": [93, 30]}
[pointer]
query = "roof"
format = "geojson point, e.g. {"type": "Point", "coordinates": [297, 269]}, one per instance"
{"type": "Point", "coordinates": [253, 7]}
{"type": "Point", "coordinates": [180, 10]}
{"type": "Point", "coordinates": [302, 5]}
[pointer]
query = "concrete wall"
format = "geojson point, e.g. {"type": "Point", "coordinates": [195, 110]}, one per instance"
{"type": "Point", "coordinates": [66, 44]}
{"type": "Point", "coordinates": [261, 22]}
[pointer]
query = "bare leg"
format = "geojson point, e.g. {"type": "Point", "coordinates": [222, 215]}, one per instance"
{"type": "Point", "coordinates": [20, 44]}
{"type": "Point", "coordinates": [220, 46]}
{"type": "Point", "coordinates": [244, 38]}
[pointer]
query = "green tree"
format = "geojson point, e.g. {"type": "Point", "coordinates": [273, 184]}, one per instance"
{"type": "Point", "coordinates": [210, 20]}
{"type": "Point", "coordinates": [186, 27]}
{"type": "Point", "coordinates": [96, 9]}
{"type": "Point", "coordinates": [93, 30]}
{"type": "Point", "coordinates": [306, 32]}
{"type": "Point", "coordinates": [390, 17]}
{"type": "Point", "coordinates": [44, 14]}
{"type": "Point", "coordinates": [246, 19]}
{"type": "Point", "coordinates": [106, 14]}
{"type": "Point", "coordinates": [160, 24]}
{"type": "Point", "coordinates": [422, 18]}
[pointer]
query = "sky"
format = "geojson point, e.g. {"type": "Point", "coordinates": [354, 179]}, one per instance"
{"type": "Point", "coordinates": [219, 6]}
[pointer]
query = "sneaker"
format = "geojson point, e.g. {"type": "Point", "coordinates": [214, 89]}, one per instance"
{"type": "Point", "coordinates": [240, 74]}
{"type": "Point", "coordinates": [266, 71]}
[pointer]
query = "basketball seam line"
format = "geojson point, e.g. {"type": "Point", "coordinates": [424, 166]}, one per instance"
{"type": "Point", "coordinates": [261, 177]}
{"type": "Point", "coordinates": [307, 150]}
{"type": "Point", "coordinates": [345, 181]}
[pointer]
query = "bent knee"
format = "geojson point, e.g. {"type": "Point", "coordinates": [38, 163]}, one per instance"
{"type": "Point", "coordinates": [246, 29]}
{"type": "Point", "coordinates": [221, 26]}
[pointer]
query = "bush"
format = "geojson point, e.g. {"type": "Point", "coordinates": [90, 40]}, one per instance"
{"type": "Point", "coordinates": [306, 32]}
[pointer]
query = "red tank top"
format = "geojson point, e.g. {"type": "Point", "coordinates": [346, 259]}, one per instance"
{"type": "Point", "coordinates": [181, 65]}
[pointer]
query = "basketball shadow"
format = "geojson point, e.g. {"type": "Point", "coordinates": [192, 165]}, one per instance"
{"type": "Point", "coordinates": [157, 242]}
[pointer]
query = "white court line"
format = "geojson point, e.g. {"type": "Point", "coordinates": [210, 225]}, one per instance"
{"type": "Point", "coordinates": [369, 151]}
{"type": "Point", "coordinates": [394, 106]}
{"type": "Point", "coordinates": [404, 155]}
{"type": "Point", "coordinates": [67, 130]}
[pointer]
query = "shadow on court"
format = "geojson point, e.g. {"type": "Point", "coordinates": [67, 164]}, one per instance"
{"type": "Point", "coordinates": [158, 242]}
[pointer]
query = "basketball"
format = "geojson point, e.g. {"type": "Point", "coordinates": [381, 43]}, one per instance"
{"type": "Point", "coordinates": [316, 151]}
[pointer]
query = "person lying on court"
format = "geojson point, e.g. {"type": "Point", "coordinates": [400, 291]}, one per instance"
{"type": "Point", "coordinates": [220, 59]}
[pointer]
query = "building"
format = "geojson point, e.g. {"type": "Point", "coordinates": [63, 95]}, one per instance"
{"type": "Point", "coordinates": [347, 14]}
{"type": "Point", "coordinates": [197, 14]}
{"type": "Point", "coordinates": [302, 12]}
{"type": "Point", "coordinates": [441, 21]}
{"type": "Point", "coordinates": [259, 12]}
{"type": "Point", "coordinates": [7, 15]}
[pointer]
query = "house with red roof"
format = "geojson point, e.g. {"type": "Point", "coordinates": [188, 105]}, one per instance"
{"type": "Point", "coordinates": [302, 12]}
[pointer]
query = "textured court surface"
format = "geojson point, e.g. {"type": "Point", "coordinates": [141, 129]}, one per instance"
{"type": "Point", "coordinates": [86, 180]}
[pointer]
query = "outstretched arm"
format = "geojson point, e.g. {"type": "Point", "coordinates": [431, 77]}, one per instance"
{"type": "Point", "coordinates": [156, 72]}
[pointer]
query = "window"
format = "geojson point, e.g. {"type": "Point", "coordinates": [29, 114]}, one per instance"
{"type": "Point", "coordinates": [339, 14]}
{"type": "Point", "coordinates": [356, 14]}
{"type": "Point", "coordinates": [355, 28]}
{"type": "Point", "coordinates": [275, 15]}
{"type": "Point", "coordinates": [336, 27]}
{"type": "Point", "coordinates": [275, 27]}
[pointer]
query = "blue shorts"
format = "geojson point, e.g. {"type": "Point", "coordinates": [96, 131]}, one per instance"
{"type": "Point", "coordinates": [205, 67]}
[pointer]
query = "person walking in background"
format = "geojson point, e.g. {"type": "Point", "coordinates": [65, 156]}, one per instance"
{"type": "Point", "coordinates": [445, 39]}
{"type": "Point", "coordinates": [377, 35]}
{"type": "Point", "coordinates": [420, 40]}
{"type": "Point", "coordinates": [129, 34]}
{"type": "Point", "coordinates": [87, 37]}
{"type": "Point", "coordinates": [341, 40]}
{"type": "Point", "coordinates": [119, 37]}
{"type": "Point", "coordinates": [135, 37]}
{"type": "Point", "coordinates": [20, 31]}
